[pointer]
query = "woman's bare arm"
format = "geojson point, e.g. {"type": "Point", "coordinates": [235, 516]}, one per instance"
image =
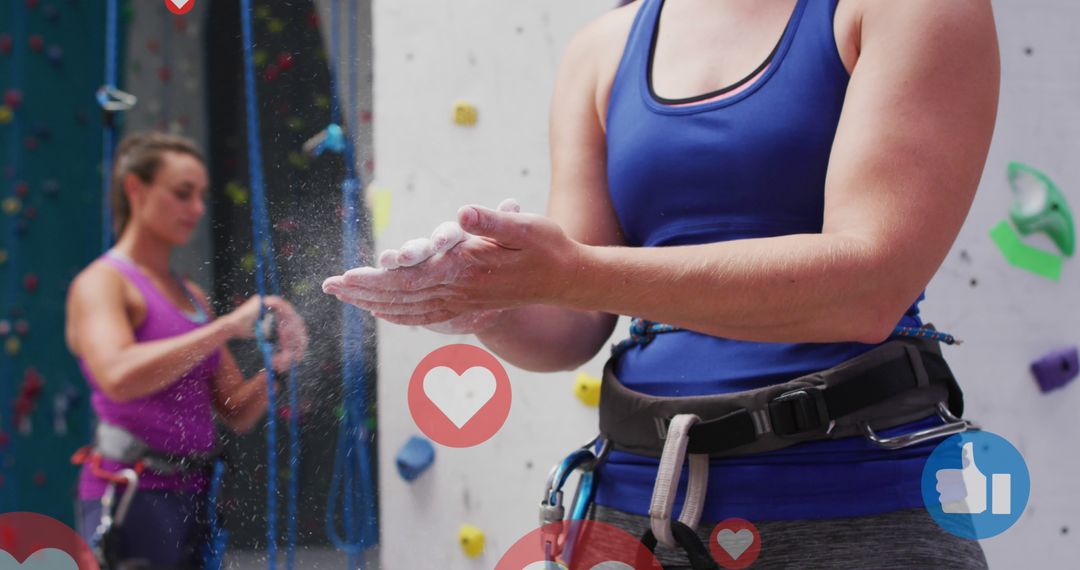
{"type": "Point", "coordinates": [548, 337]}
{"type": "Point", "coordinates": [906, 162]}
{"type": "Point", "coordinates": [102, 335]}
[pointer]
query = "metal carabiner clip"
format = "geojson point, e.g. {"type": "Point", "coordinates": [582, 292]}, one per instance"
{"type": "Point", "coordinates": [113, 100]}
{"type": "Point", "coordinates": [552, 510]}
{"type": "Point", "coordinates": [951, 425]}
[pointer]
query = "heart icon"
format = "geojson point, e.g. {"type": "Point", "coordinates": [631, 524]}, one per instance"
{"type": "Point", "coordinates": [459, 397]}
{"type": "Point", "coordinates": [735, 543]}
{"type": "Point", "coordinates": [44, 559]}
{"type": "Point", "coordinates": [179, 3]}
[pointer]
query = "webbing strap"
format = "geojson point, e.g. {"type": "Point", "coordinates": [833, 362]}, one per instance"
{"type": "Point", "coordinates": [667, 482]}
{"type": "Point", "coordinates": [814, 408]}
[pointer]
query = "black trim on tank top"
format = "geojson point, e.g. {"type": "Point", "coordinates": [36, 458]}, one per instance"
{"type": "Point", "coordinates": [697, 98]}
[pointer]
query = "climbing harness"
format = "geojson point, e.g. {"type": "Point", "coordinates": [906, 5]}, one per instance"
{"type": "Point", "coordinates": [117, 444]}
{"type": "Point", "coordinates": [898, 382]}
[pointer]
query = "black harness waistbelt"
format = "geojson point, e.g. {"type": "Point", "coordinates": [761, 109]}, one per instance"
{"type": "Point", "coordinates": [898, 382]}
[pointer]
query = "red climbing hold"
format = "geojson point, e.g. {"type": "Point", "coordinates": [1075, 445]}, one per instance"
{"type": "Point", "coordinates": [37, 43]}
{"type": "Point", "coordinates": [29, 213]}
{"type": "Point", "coordinates": [13, 98]}
{"type": "Point", "coordinates": [152, 46]}
{"type": "Point", "coordinates": [31, 143]}
{"type": "Point", "coordinates": [285, 61]}
{"type": "Point", "coordinates": [39, 479]}
{"type": "Point", "coordinates": [22, 328]}
{"type": "Point", "coordinates": [22, 189]}
{"type": "Point", "coordinates": [164, 73]}
{"type": "Point", "coordinates": [31, 4]}
{"type": "Point", "coordinates": [180, 24]}
{"type": "Point", "coordinates": [31, 282]}
{"type": "Point", "coordinates": [5, 43]}
{"type": "Point", "coordinates": [271, 73]}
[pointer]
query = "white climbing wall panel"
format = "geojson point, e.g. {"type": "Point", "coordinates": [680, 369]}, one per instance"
{"type": "Point", "coordinates": [502, 57]}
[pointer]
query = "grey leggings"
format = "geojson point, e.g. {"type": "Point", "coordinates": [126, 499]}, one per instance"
{"type": "Point", "coordinates": [902, 539]}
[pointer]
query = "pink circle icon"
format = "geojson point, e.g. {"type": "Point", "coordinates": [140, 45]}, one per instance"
{"type": "Point", "coordinates": [459, 395]}
{"type": "Point", "coordinates": [582, 545]}
{"type": "Point", "coordinates": [38, 541]}
{"type": "Point", "coordinates": [735, 544]}
{"type": "Point", "coordinates": [179, 7]}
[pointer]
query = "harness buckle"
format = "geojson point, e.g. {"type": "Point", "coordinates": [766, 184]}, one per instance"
{"type": "Point", "coordinates": [798, 411]}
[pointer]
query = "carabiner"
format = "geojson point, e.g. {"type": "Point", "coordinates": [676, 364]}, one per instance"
{"type": "Point", "coordinates": [113, 100]}
{"type": "Point", "coordinates": [552, 511]}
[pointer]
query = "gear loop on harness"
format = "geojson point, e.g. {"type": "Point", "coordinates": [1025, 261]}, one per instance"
{"type": "Point", "coordinates": [667, 481]}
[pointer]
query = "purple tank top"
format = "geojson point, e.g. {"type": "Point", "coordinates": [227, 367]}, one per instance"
{"type": "Point", "coordinates": [178, 419]}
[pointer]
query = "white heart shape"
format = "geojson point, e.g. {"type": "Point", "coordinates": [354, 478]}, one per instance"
{"type": "Point", "coordinates": [735, 543]}
{"type": "Point", "coordinates": [459, 397]}
{"type": "Point", "coordinates": [179, 3]}
{"type": "Point", "coordinates": [44, 559]}
{"type": "Point", "coordinates": [545, 566]}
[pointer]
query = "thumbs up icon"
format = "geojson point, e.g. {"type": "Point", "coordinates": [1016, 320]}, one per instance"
{"type": "Point", "coordinates": [963, 491]}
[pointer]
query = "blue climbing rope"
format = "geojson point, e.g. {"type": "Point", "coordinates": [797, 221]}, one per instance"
{"type": "Point", "coordinates": [352, 481]}
{"type": "Point", "coordinates": [266, 279]}
{"type": "Point", "coordinates": [108, 136]}
{"type": "Point", "coordinates": [642, 332]}
{"type": "Point", "coordinates": [11, 266]}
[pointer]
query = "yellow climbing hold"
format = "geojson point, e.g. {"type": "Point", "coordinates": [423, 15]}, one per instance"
{"type": "Point", "coordinates": [248, 262]}
{"type": "Point", "coordinates": [275, 26]}
{"type": "Point", "coordinates": [472, 540]}
{"type": "Point", "coordinates": [379, 198]}
{"type": "Point", "coordinates": [298, 160]}
{"type": "Point", "coordinates": [6, 114]}
{"type": "Point", "coordinates": [12, 345]}
{"type": "Point", "coordinates": [236, 193]}
{"type": "Point", "coordinates": [3, 256]}
{"type": "Point", "coordinates": [260, 57]}
{"type": "Point", "coordinates": [587, 389]}
{"type": "Point", "coordinates": [12, 206]}
{"type": "Point", "coordinates": [465, 114]}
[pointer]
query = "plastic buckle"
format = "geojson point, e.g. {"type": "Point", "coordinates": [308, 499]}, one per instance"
{"type": "Point", "coordinates": [798, 411]}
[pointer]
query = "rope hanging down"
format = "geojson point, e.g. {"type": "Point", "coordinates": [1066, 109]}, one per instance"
{"type": "Point", "coordinates": [266, 279]}
{"type": "Point", "coordinates": [352, 481]}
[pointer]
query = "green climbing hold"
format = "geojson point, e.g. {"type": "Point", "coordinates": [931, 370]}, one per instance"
{"type": "Point", "coordinates": [1039, 206]}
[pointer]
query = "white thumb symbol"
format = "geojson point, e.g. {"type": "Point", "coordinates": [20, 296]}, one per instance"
{"type": "Point", "coordinates": [963, 491]}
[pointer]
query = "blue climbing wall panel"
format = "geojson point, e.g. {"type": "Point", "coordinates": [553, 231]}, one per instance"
{"type": "Point", "coordinates": [51, 63]}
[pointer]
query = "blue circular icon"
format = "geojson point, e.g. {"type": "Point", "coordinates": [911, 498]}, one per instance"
{"type": "Point", "coordinates": [975, 485]}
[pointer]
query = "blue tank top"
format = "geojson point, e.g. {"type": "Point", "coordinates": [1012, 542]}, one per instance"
{"type": "Point", "coordinates": [751, 165]}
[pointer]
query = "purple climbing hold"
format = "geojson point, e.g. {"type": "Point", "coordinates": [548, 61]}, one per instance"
{"type": "Point", "coordinates": [1056, 369]}
{"type": "Point", "coordinates": [50, 187]}
{"type": "Point", "coordinates": [55, 55]}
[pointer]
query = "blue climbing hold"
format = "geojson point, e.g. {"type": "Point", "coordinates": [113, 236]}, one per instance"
{"type": "Point", "coordinates": [415, 457]}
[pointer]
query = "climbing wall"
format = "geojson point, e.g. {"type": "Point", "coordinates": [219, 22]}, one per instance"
{"type": "Point", "coordinates": [1011, 311]}
{"type": "Point", "coordinates": [1010, 305]}
{"type": "Point", "coordinates": [51, 62]}
{"type": "Point", "coordinates": [498, 58]}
